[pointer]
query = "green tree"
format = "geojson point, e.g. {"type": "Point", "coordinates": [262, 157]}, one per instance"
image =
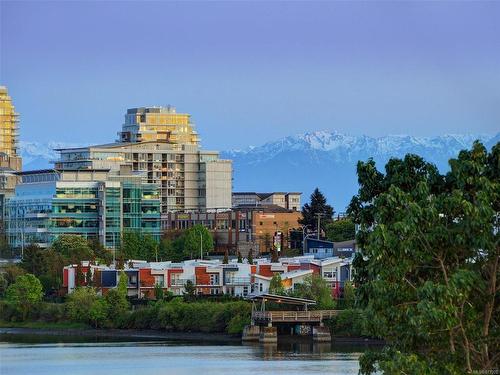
{"type": "Point", "coordinates": [316, 288]}
{"type": "Point", "coordinates": [149, 249]}
{"type": "Point", "coordinates": [131, 246]}
{"type": "Point", "coordinates": [240, 258]}
{"type": "Point", "coordinates": [123, 284]}
{"type": "Point", "coordinates": [225, 260]}
{"type": "Point", "coordinates": [117, 304]}
{"type": "Point", "coordinates": [100, 252]}
{"type": "Point", "coordinates": [135, 245]}
{"type": "Point", "coordinates": [317, 206]}
{"type": "Point", "coordinates": [98, 312]}
{"type": "Point", "coordinates": [349, 295]}
{"type": "Point", "coordinates": [79, 304]}
{"type": "Point", "coordinates": [196, 237]}
{"type": "Point", "coordinates": [12, 272]}
{"type": "Point", "coordinates": [159, 292]}
{"type": "Point", "coordinates": [53, 275]}
{"type": "Point", "coordinates": [340, 230]}
{"type": "Point", "coordinates": [4, 284]}
{"type": "Point", "coordinates": [276, 285]}
{"type": "Point", "coordinates": [189, 290]}
{"type": "Point", "coordinates": [5, 250]}
{"type": "Point", "coordinates": [170, 250]}
{"type": "Point", "coordinates": [74, 248]}
{"type": "Point", "coordinates": [429, 273]}
{"type": "Point", "coordinates": [88, 277]}
{"type": "Point", "coordinates": [250, 256]}
{"type": "Point", "coordinates": [25, 293]}
{"type": "Point", "coordinates": [33, 260]}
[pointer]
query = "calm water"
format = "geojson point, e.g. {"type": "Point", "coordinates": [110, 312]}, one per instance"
{"type": "Point", "coordinates": [167, 357]}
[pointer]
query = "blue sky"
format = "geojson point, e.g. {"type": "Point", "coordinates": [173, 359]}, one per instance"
{"type": "Point", "coordinates": [250, 72]}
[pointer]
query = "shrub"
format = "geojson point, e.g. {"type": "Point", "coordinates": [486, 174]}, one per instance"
{"type": "Point", "coordinates": [349, 322]}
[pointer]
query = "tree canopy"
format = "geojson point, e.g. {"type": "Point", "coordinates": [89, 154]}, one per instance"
{"type": "Point", "coordinates": [317, 206]}
{"type": "Point", "coordinates": [428, 274]}
{"type": "Point", "coordinates": [340, 230]}
{"type": "Point", "coordinates": [24, 293]}
{"type": "Point", "coordinates": [194, 237]}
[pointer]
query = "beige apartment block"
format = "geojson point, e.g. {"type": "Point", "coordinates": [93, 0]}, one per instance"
{"type": "Point", "coordinates": [166, 152]}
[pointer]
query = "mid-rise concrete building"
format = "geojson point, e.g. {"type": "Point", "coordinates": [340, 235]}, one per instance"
{"type": "Point", "coordinates": [242, 229]}
{"type": "Point", "coordinates": [289, 201]}
{"type": "Point", "coordinates": [164, 146]}
{"type": "Point", "coordinates": [93, 203]}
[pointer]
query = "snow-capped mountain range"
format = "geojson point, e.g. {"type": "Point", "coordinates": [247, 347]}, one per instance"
{"type": "Point", "coordinates": [327, 159]}
{"type": "Point", "coordinates": [324, 159]}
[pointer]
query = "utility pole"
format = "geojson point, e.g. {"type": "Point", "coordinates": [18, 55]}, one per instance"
{"type": "Point", "coordinates": [318, 215]}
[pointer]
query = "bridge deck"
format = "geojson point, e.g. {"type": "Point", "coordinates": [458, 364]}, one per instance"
{"type": "Point", "coordinates": [315, 316]}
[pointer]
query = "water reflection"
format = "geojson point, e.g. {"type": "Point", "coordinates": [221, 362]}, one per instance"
{"type": "Point", "coordinates": [173, 357]}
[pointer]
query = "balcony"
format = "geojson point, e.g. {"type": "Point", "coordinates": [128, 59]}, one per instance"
{"type": "Point", "coordinates": [237, 281]}
{"type": "Point", "coordinates": [180, 282]}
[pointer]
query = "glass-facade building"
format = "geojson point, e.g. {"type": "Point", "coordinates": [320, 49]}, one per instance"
{"type": "Point", "coordinates": [90, 204]}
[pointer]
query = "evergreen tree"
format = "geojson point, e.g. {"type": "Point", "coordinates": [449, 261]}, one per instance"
{"type": "Point", "coordinates": [240, 259]}
{"type": "Point", "coordinates": [88, 277]}
{"type": "Point", "coordinates": [317, 206]}
{"type": "Point", "coordinates": [250, 257]}
{"type": "Point", "coordinates": [225, 260]}
{"type": "Point", "coordinates": [189, 290]}
{"type": "Point", "coordinates": [159, 292]}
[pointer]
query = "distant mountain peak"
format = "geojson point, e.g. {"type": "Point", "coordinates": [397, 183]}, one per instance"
{"type": "Point", "coordinates": [323, 158]}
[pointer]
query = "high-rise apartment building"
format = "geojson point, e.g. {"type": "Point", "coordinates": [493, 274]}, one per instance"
{"type": "Point", "coordinates": [10, 161]}
{"type": "Point", "coordinates": [8, 124]}
{"type": "Point", "coordinates": [163, 146]}
{"type": "Point", "coordinates": [158, 124]}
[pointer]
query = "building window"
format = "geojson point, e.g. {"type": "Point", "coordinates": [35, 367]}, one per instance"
{"type": "Point", "coordinates": [214, 279]}
{"type": "Point", "coordinates": [159, 281]}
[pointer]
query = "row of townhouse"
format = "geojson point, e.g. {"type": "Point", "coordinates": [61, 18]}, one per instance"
{"type": "Point", "coordinates": [209, 277]}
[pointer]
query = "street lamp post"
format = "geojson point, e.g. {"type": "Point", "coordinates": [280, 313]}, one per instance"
{"type": "Point", "coordinates": [201, 245]}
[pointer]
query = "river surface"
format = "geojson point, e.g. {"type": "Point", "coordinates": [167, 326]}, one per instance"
{"type": "Point", "coordinates": [83, 356]}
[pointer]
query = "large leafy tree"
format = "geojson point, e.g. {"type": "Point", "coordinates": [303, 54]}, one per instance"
{"type": "Point", "coordinates": [276, 285]}
{"type": "Point", "coordinates": [25, 293]}
{"type": "Point", "coordinates": [135, 245]}
{"type": "Point", "coordinates": [429, 273]}
{"type": "Point", "coordinates": [74, 248]}
{"type": "Point", "coordinates": [340, 230]}
{"type": "Point", "coordinates": [317, 206]}
{"type": "Point", "coordinates": [194, 237]}
{"type": "Point", "coordinates": [316, 288]}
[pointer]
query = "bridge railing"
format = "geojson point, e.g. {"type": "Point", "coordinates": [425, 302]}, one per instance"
{"type": "Point", "coordinates": [293, 316]}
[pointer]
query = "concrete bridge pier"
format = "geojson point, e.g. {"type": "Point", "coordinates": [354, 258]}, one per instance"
{"type": "Point", "coordinates": [251, 333]}
{"type": "Point", "coordinates": [321, 334]}
{"type": "Point", "coordinates": [268, 335]}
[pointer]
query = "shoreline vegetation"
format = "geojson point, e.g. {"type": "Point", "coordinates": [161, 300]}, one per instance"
{"type": "Point", "coordinates": [71, 330]}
